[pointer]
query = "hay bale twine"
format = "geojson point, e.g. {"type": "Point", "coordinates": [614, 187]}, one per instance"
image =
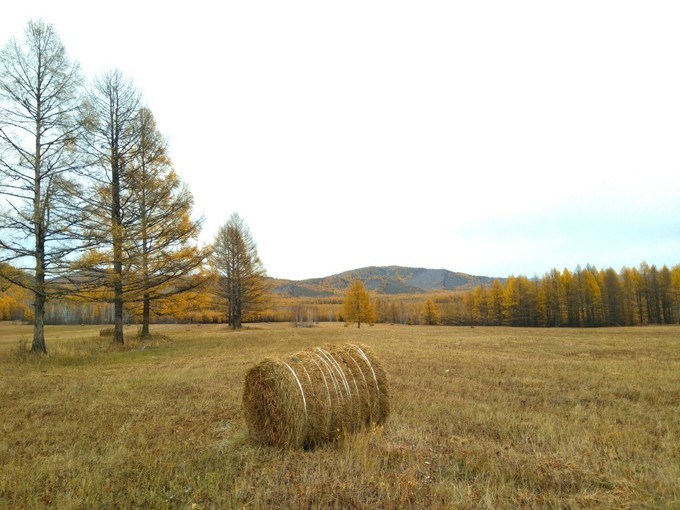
{"type": "Point", "coordinates": [315, 396]}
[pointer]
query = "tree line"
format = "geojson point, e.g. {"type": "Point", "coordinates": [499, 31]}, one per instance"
{"type": "Point", "coordinates": [95, 224]}
{"type": "Point", "coordinates": [93, 209]}
{"type": "Point", "coordinates": [585, 297]}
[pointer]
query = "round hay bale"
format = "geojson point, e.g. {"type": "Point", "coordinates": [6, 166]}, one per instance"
{"type": "Point", "coordinates": [315, 396]}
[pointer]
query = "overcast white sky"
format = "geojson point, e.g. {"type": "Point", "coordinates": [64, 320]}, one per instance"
{"type": "Point", "coordinates": [488, 137]}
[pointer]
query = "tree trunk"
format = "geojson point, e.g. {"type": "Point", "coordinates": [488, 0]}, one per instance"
{"type": "Point", "coordinates": [38, 225]}
{"type": "Point", "coordinates": [38, 345]}
{"type": "Point", "coordinates": [235, 313]}
{"type": "Point", "coordinates": [117, 254]}
{"type": "Point", "coordinates": [118, 314]}
{"type": "Point", "coordinates": [146, 313]}
{"type": "Point", "coordinates": [146, 309]}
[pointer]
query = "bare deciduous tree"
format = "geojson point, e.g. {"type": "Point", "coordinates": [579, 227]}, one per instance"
{"type": "Point", "coordinates": [239, 271]}
{"type": "Point", "coordinates": [39, 100]}
{"type": "Point", "coordinates": [113, 141]}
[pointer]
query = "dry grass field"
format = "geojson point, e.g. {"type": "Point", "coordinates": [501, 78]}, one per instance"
{"type": "Point", "coordinates": [481, 418]}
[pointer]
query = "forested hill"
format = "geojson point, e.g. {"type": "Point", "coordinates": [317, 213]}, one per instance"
{"type": "Point", "coordinates": [385, 280]}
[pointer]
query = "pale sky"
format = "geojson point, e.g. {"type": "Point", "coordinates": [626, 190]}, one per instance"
{"type": "Point", "coordinates": [487, 137]}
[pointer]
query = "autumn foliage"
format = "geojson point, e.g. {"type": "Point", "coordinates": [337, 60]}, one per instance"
{"type": "Point", "coordinates": [583, 297]}
{"type": "Point", "coordinates": [357, 306]}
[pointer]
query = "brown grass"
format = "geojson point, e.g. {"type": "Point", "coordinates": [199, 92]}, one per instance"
{"type": "Point", "coordinates": [480, 418]}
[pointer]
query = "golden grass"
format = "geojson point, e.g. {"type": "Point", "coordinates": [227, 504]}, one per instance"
{"type": "Point", "coordinates": [480, 418]}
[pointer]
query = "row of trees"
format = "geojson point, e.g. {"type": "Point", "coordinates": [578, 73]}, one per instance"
{"type": "Point", "coordinates": [581, 298]}
{"type": "Point", "coordinates": [93, 205]}
{"type": "Point", "coordinates": [585, 297]}
{"type": "Point", "coordinates": [93, 209]}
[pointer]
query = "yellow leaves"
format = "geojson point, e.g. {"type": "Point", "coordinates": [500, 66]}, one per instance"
{"type": "Point", "coordinates": [9, 275]}
{"type": "Point", "coordinates": [92, 258]}
{"type": "Point", "coordinates": [15, 301]}
{"type": "Point", "coordinates": [357, 305]}
{"type": "Point", "coordinates": [14, 304]}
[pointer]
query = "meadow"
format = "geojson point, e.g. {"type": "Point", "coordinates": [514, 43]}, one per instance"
{"type": "Point", "coordinates": [481, 418]}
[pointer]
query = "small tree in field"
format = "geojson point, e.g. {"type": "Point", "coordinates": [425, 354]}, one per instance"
{"type": "Point", "coordinates": [357, 306]}
{"type": "Point", "coordinates": [240, 275]}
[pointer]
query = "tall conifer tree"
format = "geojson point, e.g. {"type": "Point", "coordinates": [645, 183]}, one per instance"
{"type": "Point", "coordinates": [39, 101]}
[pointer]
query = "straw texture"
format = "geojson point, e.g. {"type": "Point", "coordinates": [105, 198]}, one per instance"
{"type": "Point", "coordinates": [315, 396]}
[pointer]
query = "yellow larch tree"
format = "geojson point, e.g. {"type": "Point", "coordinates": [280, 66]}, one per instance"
{"type": "Point", "coordinates": [430, 313]}
{"type": "Point", "coordinates": [357, 306]}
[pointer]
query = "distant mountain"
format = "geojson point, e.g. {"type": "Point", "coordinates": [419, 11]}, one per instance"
{"type": "Point", "coordinates": [385, 280]}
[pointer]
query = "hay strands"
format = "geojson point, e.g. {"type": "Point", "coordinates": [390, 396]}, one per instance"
{"type": "Point", "coordinates": [315, 396]}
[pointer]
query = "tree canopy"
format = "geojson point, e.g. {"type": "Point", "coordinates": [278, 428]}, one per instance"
{"type": "Point", "coordinates": [357, 305]}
